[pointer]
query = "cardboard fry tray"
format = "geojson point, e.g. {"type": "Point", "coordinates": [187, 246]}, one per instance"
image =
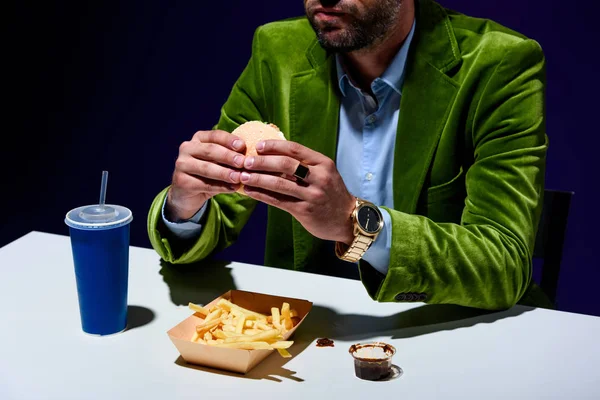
{"type": "Point", "coordinates": [236, 360]}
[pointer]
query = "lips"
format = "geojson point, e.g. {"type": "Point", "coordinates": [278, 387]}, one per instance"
{"type": "Point", "coordinates": [326, 16]}
{"type": "Point", "coordinates": [328, 10]}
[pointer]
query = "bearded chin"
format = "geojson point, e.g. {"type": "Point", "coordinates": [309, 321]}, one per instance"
{"type": "Point", "coordinates": [342, 40]}
{"type": "Point", "coordinates": [362, 32]}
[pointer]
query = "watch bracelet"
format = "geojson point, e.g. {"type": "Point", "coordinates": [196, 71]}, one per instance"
{"type": "Point", "coordinates": [356, 250]}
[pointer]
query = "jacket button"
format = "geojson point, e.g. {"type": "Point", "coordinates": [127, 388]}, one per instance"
{"type": "Point", "coordinates": [400, 297]}
{"type": "Point", "coordinates": [422, 296]}
{"type": "Point", "coordinates": [411, 297]}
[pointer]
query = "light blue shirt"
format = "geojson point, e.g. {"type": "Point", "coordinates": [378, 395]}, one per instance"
{"type": "Point", "coordinates": [367, 131]}
{"type": "Point", "coordinates": [365, 152]}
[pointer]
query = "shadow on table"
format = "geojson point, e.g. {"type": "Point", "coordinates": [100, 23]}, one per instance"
{"type": "Point", "coordinates": [324, 322]}
{"type": "Point", "coordinates": [199, 283]}
{"type": "Point", "coordinates": [271, 368]}
{"type": "Point", "coordinates": [202, 282]}
{"type": "Point", "coordinates": [138, 316]}
{"type": "Point", "coordinates": [423, 320]}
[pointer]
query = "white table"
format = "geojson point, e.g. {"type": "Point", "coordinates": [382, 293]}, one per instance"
{"type": "Point", "coordinates": [444, 351]}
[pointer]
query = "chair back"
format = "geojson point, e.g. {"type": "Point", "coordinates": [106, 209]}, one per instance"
{"type": "Point", "coordinates": [550, 238]}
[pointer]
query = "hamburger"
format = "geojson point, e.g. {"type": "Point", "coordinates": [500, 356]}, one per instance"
{"type": "Point", "coordinates": [253, 132]}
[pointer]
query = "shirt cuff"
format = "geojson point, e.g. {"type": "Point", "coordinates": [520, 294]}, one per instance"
{"type": "Point", "coordinates": [187, 229]}
{"type": "Point", "coordinates": [378, 254]}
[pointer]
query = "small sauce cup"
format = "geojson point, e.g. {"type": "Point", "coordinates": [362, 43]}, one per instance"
{"type": "Point", "coordinates": [372, 361]}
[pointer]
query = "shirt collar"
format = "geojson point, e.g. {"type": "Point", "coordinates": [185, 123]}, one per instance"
{"type": "Point", "coordinates": [393, 75]}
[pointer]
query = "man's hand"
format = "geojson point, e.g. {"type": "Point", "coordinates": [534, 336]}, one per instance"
{"type": "Point", "coordinates": [321, 202]}
{"type": "Point", "coordinates": [202, 170]}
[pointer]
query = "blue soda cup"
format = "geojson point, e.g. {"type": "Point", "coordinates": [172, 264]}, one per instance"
{"type": "Point", "coordinates": [100, 245]}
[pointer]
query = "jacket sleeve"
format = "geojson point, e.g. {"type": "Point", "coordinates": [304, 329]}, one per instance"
{"type": "Point", "coordinates": [485, 261]}
{"type": "Point", "coordinates": [227, 214]}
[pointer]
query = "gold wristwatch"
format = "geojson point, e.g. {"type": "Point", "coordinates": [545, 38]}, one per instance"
{"type": "Point", "coordinates": [368, 222]}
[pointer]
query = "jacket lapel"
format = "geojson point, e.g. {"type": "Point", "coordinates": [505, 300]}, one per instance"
{"type": "Point", "coordinates": [314, 104]}
{"type": "Point", "coordinates": [427, 96]}
{"type": "Point", "coordinates": [314, 112]}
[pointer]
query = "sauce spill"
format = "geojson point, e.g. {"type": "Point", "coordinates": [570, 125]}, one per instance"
{"type": "Point", "coordinates": [324, 342]}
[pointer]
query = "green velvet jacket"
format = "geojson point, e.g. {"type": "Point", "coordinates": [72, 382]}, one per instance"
{"type": "Point", "coordinates": [468, 169]}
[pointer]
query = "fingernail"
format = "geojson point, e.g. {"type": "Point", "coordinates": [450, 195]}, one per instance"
{"type": "Point", "coordinates": [234, 176]}
{"type": "Point", "coordinates": [260, 146]}
{"type": "Point", "coordinates": [249, 162]}
{"type": "Point", "coordinates": [244, 177]}
{"type": "Point", "coordinates": [237, 144]}
{"type": "Point", "coordinates": [238, 160]}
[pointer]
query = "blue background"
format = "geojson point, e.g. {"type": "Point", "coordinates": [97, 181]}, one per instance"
{"type": "Point", "coordinates": [118, 86]}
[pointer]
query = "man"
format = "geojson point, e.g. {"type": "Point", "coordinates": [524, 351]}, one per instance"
{"type": "Point", "coordinates": [435, 121]}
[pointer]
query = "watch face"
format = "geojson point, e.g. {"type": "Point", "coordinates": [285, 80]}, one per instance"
{"type": "Point", "coordinates": [368, 218]}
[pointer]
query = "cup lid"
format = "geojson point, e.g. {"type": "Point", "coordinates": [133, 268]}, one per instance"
{"type": "Point", "coordinates": [92, 217]}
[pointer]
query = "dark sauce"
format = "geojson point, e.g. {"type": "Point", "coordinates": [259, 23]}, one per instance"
{"type": "Point", "coordinates": [324, 342]}
{"type": "Point", "coordinates": [373, 369]}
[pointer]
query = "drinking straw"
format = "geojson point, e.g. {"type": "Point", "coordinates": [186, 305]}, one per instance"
{"type": "Point", "coordinates": [103, 187]}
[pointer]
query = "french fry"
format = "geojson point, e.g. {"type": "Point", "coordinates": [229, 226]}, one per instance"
{"type": "Point", "coordinates": [286, 316]}
{"type": "Point", "coordinates": [275, 315]}
{"type": "Point", "coordinates": [207, 325]}
{"type": "Point", "coordinates": [229, 306]}
{"type": "Point", "coordinates": [239, 328]}
{"type": "Point", "coordinates": [231, 326]}
{"type": "Point", "coordinates": [214, 314]}
{"type": "Point", "coordinates": [284, 353]}
{"type": "Point", "coordinates": [199, 309]}
{"type": "Point", "coordinates": [252, 331]}
{"type": "Point", "coordinates": [285, 311]}
{"type": "Point", "coordinates": [246, 345]}
{"type": "Point", "coordinates": [260, 337]}
{"type": "Point", "coordinates": [282, 344]}
{"type": "Point", "coordinates": [220, 334]}
{"type": "Point", "coordinates": [262, 326]}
